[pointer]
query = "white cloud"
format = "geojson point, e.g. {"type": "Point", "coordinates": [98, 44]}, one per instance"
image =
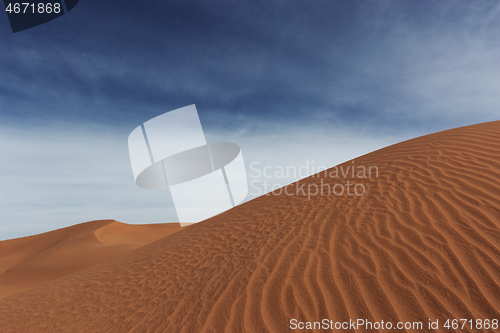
{"type": "Point", "coordinates": [64, 174]}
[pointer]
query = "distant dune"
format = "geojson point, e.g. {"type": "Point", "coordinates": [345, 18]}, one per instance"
{"type": "Point", "coordinates": [422, 243]}
{"type": "Point", "coordinates": [31, 261]}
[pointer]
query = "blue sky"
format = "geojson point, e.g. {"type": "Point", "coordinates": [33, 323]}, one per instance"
{"type": "Point", "coordinates": [289, 81]}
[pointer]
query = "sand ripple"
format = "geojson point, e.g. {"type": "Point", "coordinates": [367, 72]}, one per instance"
{"type": "Point", "coordinates": [423, 242]}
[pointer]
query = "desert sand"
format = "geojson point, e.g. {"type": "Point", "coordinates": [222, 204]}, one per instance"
{"type": "Point", "coordinates": [422, 243]}
{"type": "Point", "coordinates": [32, 261]}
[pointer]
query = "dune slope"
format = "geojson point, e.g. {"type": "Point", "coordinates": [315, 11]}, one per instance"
{"type": "Point", "coordinates": [422, 243]}
{"type": "Point", "coordinates": [32, 261]}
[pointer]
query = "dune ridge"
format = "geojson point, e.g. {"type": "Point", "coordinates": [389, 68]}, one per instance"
{"type": "Point", "coordinates": [422, 243]}
{"type": "Point", "coordinates": [31, 261]}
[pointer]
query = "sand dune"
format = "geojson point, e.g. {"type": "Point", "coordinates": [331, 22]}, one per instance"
{"type": "Point", "coordinates": [32, 261]}
{"type": "Point", "coordinates": [422, 243]}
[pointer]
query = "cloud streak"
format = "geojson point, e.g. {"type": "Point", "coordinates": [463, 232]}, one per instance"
{"type": "Point", "coordinates": [289, 81]}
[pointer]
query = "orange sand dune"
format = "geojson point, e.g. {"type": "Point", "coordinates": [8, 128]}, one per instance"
{"type": "Point", "coordinates": [422, 243]}
{"type": "Point", "coordinates": [31, 261]}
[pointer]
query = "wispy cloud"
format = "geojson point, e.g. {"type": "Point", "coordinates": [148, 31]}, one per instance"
{"type": "Point", "coordinates": [290, 81]}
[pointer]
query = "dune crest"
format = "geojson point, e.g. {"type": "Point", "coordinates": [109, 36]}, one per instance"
{"type": "Point", "coordinates": [118, 233]}
{"type": "Point", "coordinates": [422, 243]}
{"type": "Point", "coordinates": [32, 261]}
